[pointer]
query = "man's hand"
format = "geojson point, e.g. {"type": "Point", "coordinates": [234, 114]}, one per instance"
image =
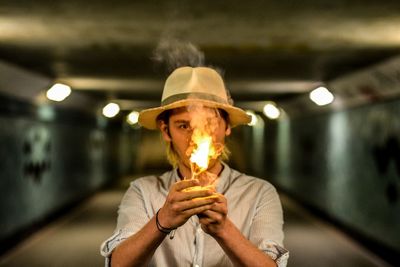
{"type": "Point", "coordinates": [180, 205]}
{"type": "Point", "coordinates": [214, 219]}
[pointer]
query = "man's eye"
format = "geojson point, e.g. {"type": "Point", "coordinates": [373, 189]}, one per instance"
{"type": "Point", "coordinates": [184, 126]}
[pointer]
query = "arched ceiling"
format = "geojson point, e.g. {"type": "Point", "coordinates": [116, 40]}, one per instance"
{"type": "Point", "coordinates": [270, 50]}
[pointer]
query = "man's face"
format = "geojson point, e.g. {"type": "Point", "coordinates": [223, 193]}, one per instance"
{"type": "Point", "coordinates": [179, 133]}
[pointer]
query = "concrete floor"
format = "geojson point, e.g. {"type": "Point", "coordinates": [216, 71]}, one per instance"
{"type": "Point", "coordinates": [74, 239]}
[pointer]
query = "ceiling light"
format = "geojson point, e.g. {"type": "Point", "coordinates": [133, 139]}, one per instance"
{"type": "Point", "coordinates": [321, 96]}
{"type": "Point", "coordinates": [111, 110]}
{"type": "Point", "coordinates": [253, 118]}
{"type": "Point", "coordinates": [271, 111]}
{"type": "Point", "coordinates": [133, 117]}
{"type": "Point", "coordinates": [58, 92]}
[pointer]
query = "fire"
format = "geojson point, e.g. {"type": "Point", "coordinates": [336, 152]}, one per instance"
{"type": "Point", "coordinates": [203, 148]}
{"type": "Point", "coordinates": [200, 154]}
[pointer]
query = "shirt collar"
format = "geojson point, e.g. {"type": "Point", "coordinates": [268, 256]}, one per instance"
{"type": "Point", "coordinates": [223, 182]}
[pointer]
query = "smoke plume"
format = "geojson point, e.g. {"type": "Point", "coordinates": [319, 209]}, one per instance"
{"type": "Point", "coordinates": [173, 53]}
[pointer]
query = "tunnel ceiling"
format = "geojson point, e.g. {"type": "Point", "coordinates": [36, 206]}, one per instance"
{"type": "Point", "coordinates": [267, 49]}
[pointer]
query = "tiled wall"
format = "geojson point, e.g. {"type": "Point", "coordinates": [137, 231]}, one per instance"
{"type": "Point", "coordinates": [49, 162]}
{"type": "Point", "coordinates": [346, 164]}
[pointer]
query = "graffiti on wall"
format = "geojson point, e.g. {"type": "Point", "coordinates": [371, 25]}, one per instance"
{"type": "Point", "coordinates": [384, 140]}
{"type": "Point", "coordinates": [36, 153]}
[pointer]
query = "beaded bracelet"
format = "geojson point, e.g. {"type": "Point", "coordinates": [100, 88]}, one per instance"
{"type": "Point", "coordinates": [165, 230]}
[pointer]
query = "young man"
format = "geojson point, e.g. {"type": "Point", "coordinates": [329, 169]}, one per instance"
{"type": "Point", "coordinates": [163, 222]}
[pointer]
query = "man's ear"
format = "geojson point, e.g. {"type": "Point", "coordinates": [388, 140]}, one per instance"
{"type": "Point", "coordinates": [164, 131]}
{"type": "Point", "coordinates": [228, 130]}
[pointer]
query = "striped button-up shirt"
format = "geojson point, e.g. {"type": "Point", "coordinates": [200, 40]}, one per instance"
{"type": "Point", "coordinates": [253, 206]}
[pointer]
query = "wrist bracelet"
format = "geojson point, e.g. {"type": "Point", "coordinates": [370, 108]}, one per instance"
{"type": "Point", "coordinates": [163, 229]}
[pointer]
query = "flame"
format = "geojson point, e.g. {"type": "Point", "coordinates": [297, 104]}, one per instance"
{"type": "Point", "coordinates": [203, 148]}
{"type": "Point", "coordinates": [203, 151]}
{"type": "Point", "coordinates": [201, 154]}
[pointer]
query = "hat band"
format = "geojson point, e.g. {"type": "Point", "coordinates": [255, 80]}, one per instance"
{"type": "Point", "coordinates": [183, 96]}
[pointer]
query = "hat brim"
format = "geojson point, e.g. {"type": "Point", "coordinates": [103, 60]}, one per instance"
{"type": "Point", "coordinates": [237, 116]}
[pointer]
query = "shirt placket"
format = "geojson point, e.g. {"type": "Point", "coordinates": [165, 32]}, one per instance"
{"type": "Point", "coordinates": [198, 246]}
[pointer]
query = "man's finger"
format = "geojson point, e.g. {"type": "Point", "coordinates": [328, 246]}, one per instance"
{"type": "Point", "coordinates": [196, 202]}
{"type": "Point", "coordinates": [206, 220]}
{"type": "Point", "coordinates": [197, 210]}
{"type": "Point", "coordinates": [179, 186]}
{"type": "Point", "coordinates": [217, 209]}
{"type": "Point", "coordinates": [212, 216]}
{"type": "Point", "coordinates": [220, 198]}
{"type": "Point", "coordinates": [200, 193]}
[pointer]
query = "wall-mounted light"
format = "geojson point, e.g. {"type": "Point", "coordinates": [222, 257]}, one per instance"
{"type": "Point", "coordinates": [271, 111]}
{"type": "Point", "coordinates": [321, 96]}
{"type": "Point", "coordinates": [253, 118]}
{"type": "Point", "coordinates": [111, 110]}
{"type": "Point", "coordinates": [58, 92]}
{"type": "Point", "coordinates": [132, 117]}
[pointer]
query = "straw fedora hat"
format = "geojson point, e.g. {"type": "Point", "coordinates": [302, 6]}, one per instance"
{"type": "Point", "coordinates": [186, 86]}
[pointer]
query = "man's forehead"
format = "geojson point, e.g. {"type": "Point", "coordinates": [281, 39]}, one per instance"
{"type": "Point", "coordinates": [180, 114]}
{"type": "Point", "coordinates": [187, 114]}
{"type": "Point", "coordinates": [177, 111]}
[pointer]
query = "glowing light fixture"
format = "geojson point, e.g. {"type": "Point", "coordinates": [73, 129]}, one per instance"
{"type": "Point", "coordinates": [253, 118]}
{"type": "Point", "coordinates": [132, 117]}
{"type": "Point", "coordinates": [321, 96]}
{"type": "Point", "coordinates": [271, 111]}
{"type": "Point", "coordinates": [111, 110]}
{"type": "Point", "coordinates": [58, 92]}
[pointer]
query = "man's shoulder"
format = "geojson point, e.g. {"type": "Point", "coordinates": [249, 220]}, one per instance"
{"type": "Point", "coordinates": [243, 179]}
{"type": "Point", "coordinates": [153, 179]}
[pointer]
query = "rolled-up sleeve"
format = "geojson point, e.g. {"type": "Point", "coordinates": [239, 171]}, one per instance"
{"type": "Point", "coordinates": [132, 216]}
{"type": "Point", "coordinates": [278, 253]}
{"type": "Point", "coordinates": [111, 243]}
{"type": "Point", "coordinates": [266, 230]}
